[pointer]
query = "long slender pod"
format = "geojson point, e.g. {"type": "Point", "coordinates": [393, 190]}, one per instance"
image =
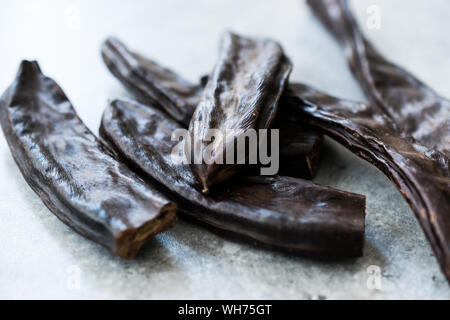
{"type": "Point", "coordinates": [285, 213]}
{"type": "Point", "coordinates": [416, 107]}
{"type": "Point", "coordinates": [421, 174]}
{"type": "Point", "coordinates": [73, 173]}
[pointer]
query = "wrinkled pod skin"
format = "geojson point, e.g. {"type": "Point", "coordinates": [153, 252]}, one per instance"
{"type": "Point", "coordinates": [285, 213]}
{"type": "Point", "coordinates": [300, 147]}
{"type": "Point", "coordinates": [419, 173]}
{"type": "Point", "coordinates": [242, 92]}
{"type": "Point", "coordinates": [397, 93]}
{"type": "Point", "coordinates": [151, 83]}
{"type": "Point", "coordinates": [73, 173]}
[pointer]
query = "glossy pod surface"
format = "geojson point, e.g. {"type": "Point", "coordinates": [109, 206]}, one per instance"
{"type": "Point", "coordinates": [150, 82]}
{"type": "Point", "coordinates": [242, 92]}
{"type": "Point", "coordinates": [420, 174]}
{"type": "Point", "coordinates": [300, 146]}
{"type": "Point", "coordinates": [285, 213]}
{"type": "Point", "coordinates": [397, 93]}
{"type": "Point", "coordinates": [76, 176]}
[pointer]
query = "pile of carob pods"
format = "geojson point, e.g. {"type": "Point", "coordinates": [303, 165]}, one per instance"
{"type": "Point", "coordinates": [124, 188]}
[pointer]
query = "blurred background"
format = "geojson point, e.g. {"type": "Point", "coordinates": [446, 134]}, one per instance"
{"type": "Point", "coordinates": [39, 255]}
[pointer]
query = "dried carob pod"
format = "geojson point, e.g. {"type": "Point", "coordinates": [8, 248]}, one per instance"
{"type": "Point", "coordinates": [242, 93]}
{"type": "Point", "coordinates": [408, 101]}
{"type": "Point", "coordinates": [285, 213]}
{"type": "Point", "coordinates": [300, 146]}
{"type": "Point", "coordinates": [150, 82]}
{"type": "Point", "coordinates": [421, 174]}
{"type": "Point", "coordinates": [73, 173]}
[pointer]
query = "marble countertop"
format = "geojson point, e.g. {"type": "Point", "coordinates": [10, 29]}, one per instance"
{"type": "Point", "coordinates": [42, 258]}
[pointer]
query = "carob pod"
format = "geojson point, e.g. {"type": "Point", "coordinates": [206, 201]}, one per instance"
{"type": "Point", "coordinates": [73, 173]}
{"type": "Point", "coordinates": [421, 174]}
{"type": "Point", "coordinates": [242, 93]}
{"type": "Point", "coordinates": [300, 146]}
{"type": "Point", "coordinates": [408, 101]}
{"type": "Point", "coordinates": [285, 213]}
{"type": "Point", "coordinates": [150, 82]}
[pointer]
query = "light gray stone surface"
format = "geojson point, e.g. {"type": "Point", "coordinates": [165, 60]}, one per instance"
{"type": "Point", "coordinates": [40, 257]}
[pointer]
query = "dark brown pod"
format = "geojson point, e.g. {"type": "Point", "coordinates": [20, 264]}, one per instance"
{"type": "Point", "coordinates": [421, 174]}
{"type": "Point", "coordinates": [73, 173]}
{"type": "Point", "coordinates": [242, 93]}
{"type": "Point", "coordinates": [405, 99]}
{"type": "Point", "coordinates": [151, 83]}
{"type": "Point", "coordinates": [299, 146]}
{"type": "Point", "coordinates": [285, 213]}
